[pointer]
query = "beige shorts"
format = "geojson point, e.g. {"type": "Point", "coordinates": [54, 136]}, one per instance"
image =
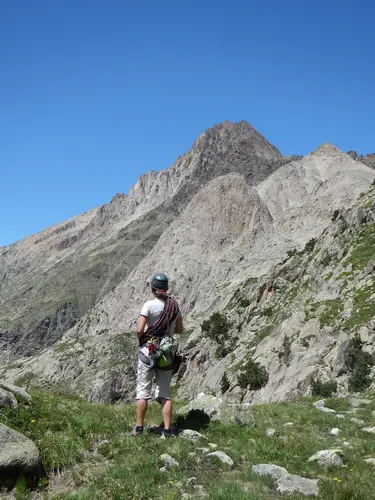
{"type": "Point", "coordinates": [145, 376]}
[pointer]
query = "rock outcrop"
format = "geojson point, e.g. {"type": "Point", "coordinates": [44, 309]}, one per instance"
{"type": "Point", "coordinates": [19, 456]}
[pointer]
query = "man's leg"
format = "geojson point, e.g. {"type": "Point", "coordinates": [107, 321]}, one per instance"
{"type": "Point", "coordinates": [142, 405]}
{"type": "Point", "coordinates": [144, 384]}
{"type": "Point", "coordinates": [163, 395]}
{"type": "Point", "coordinates": [167, 412]}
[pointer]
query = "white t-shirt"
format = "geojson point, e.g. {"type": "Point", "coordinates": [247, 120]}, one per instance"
{"type": "Point", "coordinates": [152, 310]}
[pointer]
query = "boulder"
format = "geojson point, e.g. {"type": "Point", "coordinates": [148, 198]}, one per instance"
{"type": "Point", "coordinates": [19, 456]}
{"type": "Point", "coordinates": [287, 483]}
{"type": "Point", "coordinates": [7, 399]}
{"type": "Point", "coordinates": [329, 458]}
{"type": "Point", "coordinates": [217, 409]}
{"type": "Point", "coordinates": [18, 392]}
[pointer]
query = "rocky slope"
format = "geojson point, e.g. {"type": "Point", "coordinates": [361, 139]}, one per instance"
{"type": "Point", "coordinates": [226, 230]}
{"type": "Point", "coordinates": [51, 279]}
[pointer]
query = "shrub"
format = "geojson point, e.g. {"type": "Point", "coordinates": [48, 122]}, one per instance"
{"type": "Point", "coordinates": [267, 312]}
{"type": "Point", "coordinates": [335, 214]}
{"type": "Point", "coordinates": [216, 327]}
{"type": "Point", "coordinates": [291, 253]}
{"type": "Point", "coordinates": [254, 376]}
{"type": "Point", "coordinates": [224, 385]}
{"type": "Point", "coordinates": [359, 364]}
{"type": "Point", "coordinates": [310, 245]}
{"type": "Point", "coordinates": [284, 354]}
{"type": "Point", "coordinates": [244, 302]}
{"type": "Point", "coordinates": [324, 389]}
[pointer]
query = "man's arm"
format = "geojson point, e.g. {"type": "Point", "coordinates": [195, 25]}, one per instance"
{"type": "Point", "coordinates": [179, 325]}
{"type": "Point", "coordinates": [142, 321]}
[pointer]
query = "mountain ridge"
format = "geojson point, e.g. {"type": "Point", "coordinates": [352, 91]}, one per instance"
{"type": "Point", "coordinates": [229, 218]}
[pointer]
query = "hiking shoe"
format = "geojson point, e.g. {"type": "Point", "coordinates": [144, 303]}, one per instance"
{"type": "Point", "coordinates": [137, 431]}
{"type": "Point", "coordinates": [167, 433]}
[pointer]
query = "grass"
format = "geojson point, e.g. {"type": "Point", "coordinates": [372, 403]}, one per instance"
{"type": "Point", "coordinates": [364, 248]}
{"type": "Point", "coordinates": [67, 431]}
{"type": "Point", "coordinates": [363, 307]}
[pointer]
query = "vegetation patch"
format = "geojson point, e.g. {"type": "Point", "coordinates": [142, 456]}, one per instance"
{"type": "Point", "coordinates": [331, 313]}
{"type": "Point", "coordinates": [363, 307]}
{"type": "Point", "coordinates": [254, 376]}
{"type": "Point", "coordinates": [323, 389]}
{"type": "Point", "coordinates": [286, 351]}
{"type": "Point", "coordinates": [359, 364]}
{"type": "Point", "coordinates": [224, 384]}
{"type": "Point", "coordinates": [69, 433]}
{"type": "Point", "coordinates": [364, 248]}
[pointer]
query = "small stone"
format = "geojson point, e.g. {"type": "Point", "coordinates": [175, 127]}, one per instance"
{"type": "Point", "coordinates": [192, 454]}
{"type": "Point", "coordinates": [212, 445]}
{"type": "Point", "coordinates": [339, 415]}
{"type": "Point", "coordinates": [346, 444]}
{"type": "Point", "coordinates": [357, 421]}
{"type": "Point", "coordinates": [370, 460]}
{"type": "Point", "coordinates": [186, 496]}
{"type": "Point", "coordinates": [327, 410]}
{"type": "Point", "coordinates": [191, 480]}
{"type": "Point", "coordinates": [223, 457]}
{"type": "Point", "coordinates": [199, 491]}
{"type": "Point", "coordinates": [204, 450]}
{"type": "Point", "coordinates": [335, 431]}
{"type": "Point", "coordinates": [328, 458]}
{"type": "Point", "coordinates": [270, 432]}
{"type": "Point", "coordinates": [320, 404]}
{"type": "Point", "coordinates": [288, 424]}
{"type": "Point", "coordinates": [370, 430]}
{"type": "Point", "coordinates": [192, 435]}
{"type": "Point", "coordinates": [169, 461]}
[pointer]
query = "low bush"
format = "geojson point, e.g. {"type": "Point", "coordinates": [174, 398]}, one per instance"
{"type": "Point", "coordinates": [225, 384]}
{"type": "Point", "coordinates": [254, 376]}
{"type": "Point", "coordinates": [359, 364]}
{"type": "Point", "coordinates": [324, 389]}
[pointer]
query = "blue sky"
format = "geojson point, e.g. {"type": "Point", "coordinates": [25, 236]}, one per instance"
{"type": "Point", "coordinates": [94, 93]}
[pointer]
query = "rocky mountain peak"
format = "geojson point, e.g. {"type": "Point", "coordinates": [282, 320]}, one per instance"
{"type": "Point", "coordinates": [227, 132]}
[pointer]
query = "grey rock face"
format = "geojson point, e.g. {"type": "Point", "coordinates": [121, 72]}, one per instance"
{"type": "Point", "coordinates": [234, 226]}
{"type": "Point", "coordinates": [85, 257]}
{"type": "Point", "coordinates": [19, 456]}
{"type": "Point", "coordinates": [287, 483]}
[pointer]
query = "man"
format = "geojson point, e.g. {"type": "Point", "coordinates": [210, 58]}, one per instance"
{"type": "Point", "coordinates": [160, 318]}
